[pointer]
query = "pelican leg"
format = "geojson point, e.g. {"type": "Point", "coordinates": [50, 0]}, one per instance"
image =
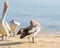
{"type": "Point", "coordinates": [3, 38]}
{"type": "Point", "coordinates": [10, 33]}
{"type": "Point", "coordinates": [13, 34]}
{"type": "Point", "coordinates": [32, 39]}
{"type": "Point", "coordinates": [28, 39]}
{"type": "Point", "coordinates": [6, 37]}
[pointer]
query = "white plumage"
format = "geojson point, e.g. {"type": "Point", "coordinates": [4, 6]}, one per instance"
{"type": "Point", "coordinates": [35, 30]}
{"type": "Point", "coordinates": [4, 29]}
{"type": "Point", "coordinates": [14, 25]}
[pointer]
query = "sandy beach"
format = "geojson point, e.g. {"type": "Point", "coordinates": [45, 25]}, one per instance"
{"type": "Point", "coordinates": [41, 41]}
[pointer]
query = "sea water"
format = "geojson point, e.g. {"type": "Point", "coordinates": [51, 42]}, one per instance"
{"type": "Point", "coordinates": [47, 12]}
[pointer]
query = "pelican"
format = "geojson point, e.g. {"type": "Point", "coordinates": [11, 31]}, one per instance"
{"type": "Point", "coordinates": [14, 25]}
{"type": "Point", "coordinates": [30, 31]}
{"type": "Point", "coordinates": [4, 27]}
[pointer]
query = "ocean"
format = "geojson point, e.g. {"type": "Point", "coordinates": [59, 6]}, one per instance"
{"type": "Point", "coordinates": [47, 12]}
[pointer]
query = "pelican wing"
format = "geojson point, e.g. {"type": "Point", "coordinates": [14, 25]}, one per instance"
{"type": "Point", "coordinates": [7, 26]}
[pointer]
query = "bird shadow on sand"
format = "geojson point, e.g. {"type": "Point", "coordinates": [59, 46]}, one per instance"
{"type": "Point", "coordinates": [9, 44]}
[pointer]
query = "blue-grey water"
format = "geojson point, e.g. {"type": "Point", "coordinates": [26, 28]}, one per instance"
{"type": "Point", "coordinates": [47, 12]}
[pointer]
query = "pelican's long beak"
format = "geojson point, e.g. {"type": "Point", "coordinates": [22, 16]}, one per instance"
{"type": "Point", "coordinates": [5, 8]}
{"type": "Point", "coordinates": [4, 11]}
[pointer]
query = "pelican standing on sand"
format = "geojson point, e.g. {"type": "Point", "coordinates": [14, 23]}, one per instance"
{"type": "Point", "coordinates": [4, 27]}
{"type": "Point", "coordinates": [31, 31]}
{"type": "Point", "coordinates": [14, 25]}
